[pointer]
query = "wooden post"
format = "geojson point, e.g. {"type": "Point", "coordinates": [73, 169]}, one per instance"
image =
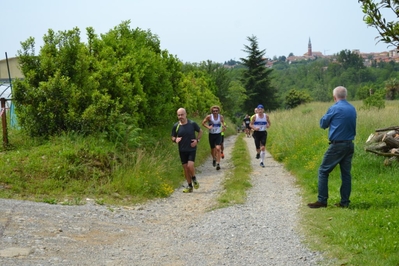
{"type": "Point", "coordinates": [4, 121]}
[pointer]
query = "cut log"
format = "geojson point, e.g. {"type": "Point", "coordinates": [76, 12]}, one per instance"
{"type": "Point", "coordinates": [391, 142]}
{"type": "Point", "coordinates": [385, 154]}
{"type": "Point", "coordinates": [379, 146]}
{"type": "Point", "coordinates": [385, 142]}
{"type": "Point", "coordinates": [395, 150]}
{"type": "Point", "coordinates": [376, 137]}
{"type": "Point", "coordinates": [387, 129]}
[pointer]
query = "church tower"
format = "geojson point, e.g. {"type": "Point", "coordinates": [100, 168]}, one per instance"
{"type": "Point", "coordinates": [309, 48]}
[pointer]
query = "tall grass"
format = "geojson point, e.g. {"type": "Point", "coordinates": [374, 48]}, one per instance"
{"type": "Point", "coordinates": [367, 232]}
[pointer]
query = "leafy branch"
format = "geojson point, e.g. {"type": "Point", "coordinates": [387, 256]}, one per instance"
{"type": "Point", "coordinates": [388, 30]}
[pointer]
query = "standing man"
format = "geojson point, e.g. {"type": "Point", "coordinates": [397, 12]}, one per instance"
{"type": "Point", "coordinates": [246, 121]}
{"type": "Point", "coordinates": [259, 123]}
{"type": "Point", "coordinates": [215, 124]}
{"type": "Point", "coordinates": [341, 121]}
{"type": "Point", "coordinates": [183, 133]}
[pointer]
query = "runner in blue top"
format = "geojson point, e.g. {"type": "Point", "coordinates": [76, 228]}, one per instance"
{"type": "Point", "coordinates": [259, 123]}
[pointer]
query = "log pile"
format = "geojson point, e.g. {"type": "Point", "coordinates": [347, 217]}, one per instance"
{"type": "Point", "coordinates": [385, 142]}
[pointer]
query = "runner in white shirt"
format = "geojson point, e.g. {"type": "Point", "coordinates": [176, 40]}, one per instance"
{"type": "Point", "coordinates": [214, 122]}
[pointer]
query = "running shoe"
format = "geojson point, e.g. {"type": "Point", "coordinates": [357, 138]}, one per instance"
{"type": "Point", "coordinates": [196, 184]}
{"type": "Point", "coordinates": [218, 167]}
{"type": "Point", "coordinates": [214, 162]}
{"type": "Point", "coordinates": [257, 156]}
{"type": "Point", "coordinates": [222, 155]}
{"type": "Point", "coordinates": [188, 189]}
{"type": "Point", "coordinates": [261, 164]}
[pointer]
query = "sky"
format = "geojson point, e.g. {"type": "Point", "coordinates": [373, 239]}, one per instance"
{"type": "Point", "coordinates": [196, 31]}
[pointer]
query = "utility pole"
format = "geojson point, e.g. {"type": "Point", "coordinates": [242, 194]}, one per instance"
{"type": "Point", "coordinates": [4, 121]}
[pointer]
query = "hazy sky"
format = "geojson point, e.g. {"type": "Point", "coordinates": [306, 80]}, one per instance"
{"type": "Point", "coordinates": [200, 30]}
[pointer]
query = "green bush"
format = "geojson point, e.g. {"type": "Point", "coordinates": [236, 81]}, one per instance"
{"type": "Point", "coordinates": [375, 100]}
{"type": "Point", "coordinates": [295, 98]}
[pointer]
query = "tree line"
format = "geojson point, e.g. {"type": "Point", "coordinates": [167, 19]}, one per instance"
{"type": "Point", "coordinates": [121, 81]}
{"type": "Point", "coordinates": [316, 78]}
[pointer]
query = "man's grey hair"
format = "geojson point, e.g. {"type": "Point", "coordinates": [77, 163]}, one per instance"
{"type": "Point", "coordinates": [340, 92]}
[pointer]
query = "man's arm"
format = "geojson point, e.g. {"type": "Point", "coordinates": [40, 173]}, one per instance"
{"type": "Point", "coordinates": [326, 119]}
{"type": "Point", "coordinates": [268, 121]}
{"type": "Point", "coordinates": [174, 133]}
{"type": "Point", "coordinates": [199, 136]}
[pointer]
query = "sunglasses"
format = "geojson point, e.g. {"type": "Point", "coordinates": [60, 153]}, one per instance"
{"type": "Point", "coordinates": [215, 111]}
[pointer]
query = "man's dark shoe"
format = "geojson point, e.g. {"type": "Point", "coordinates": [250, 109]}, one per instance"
{"type": "Point", "coordinates": [257, 156]}
{"type": "Point", "coordinates": [316, 205]}
{"type": "Point", "coordinates": [340, 205]}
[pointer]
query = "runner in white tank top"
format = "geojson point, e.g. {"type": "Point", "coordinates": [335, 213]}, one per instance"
{"type": "Point", "coordinates": [214, 123]}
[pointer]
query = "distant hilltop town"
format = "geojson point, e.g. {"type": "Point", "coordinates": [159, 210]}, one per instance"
{"type": "Point", "coordinates": [368, 58]}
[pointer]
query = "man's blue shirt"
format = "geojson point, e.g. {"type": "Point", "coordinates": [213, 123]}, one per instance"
{"type": "Point", "coordinates": [341, 121]}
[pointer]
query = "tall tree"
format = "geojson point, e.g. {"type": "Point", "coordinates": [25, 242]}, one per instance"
{"type": "Point", "coordinates": [392, 87]}
{"type": "Point", "coordinates": [350, 59]}
{"type": "Point", "coordinates": [256, 78]}
{"type": "Point", "coordinates": [119, 78]}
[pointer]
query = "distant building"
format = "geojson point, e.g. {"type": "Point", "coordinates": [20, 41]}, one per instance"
{"type": "Point", "coordinates": [369, 58]}
{"type": "Point", "coordinates": [13, 64]}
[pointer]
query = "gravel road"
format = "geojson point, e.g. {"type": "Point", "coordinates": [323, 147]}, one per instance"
{"type": "Point", "coordinates": [183, 229]}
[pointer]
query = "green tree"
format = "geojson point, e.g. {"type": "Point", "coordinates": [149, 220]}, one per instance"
{"type": "Point", "coordinates": [349, 59]}
{"type": "Point", "coordinates": [392, 87]}
{"type": "Point", "coordinates": [220, 77]}
{"type": "Point", "coordinates": [121, 77]}
{"type": "Point", "coordinates": [321, 93]}
{"type": "Point", "coordinates": [230, 92]}
{"type": "Point", "coordinates": [235, 99]}
{"type": "Point", "coordinates": [375, 100]}
{"type": "Point", "coordinates": [196, 94]}
{"type": "Point", "coordinates": [364, 92]}
{"type": "Point", "coordinates": [257, 78]}
{"type": "Point", "coordinates": [295, 98]}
